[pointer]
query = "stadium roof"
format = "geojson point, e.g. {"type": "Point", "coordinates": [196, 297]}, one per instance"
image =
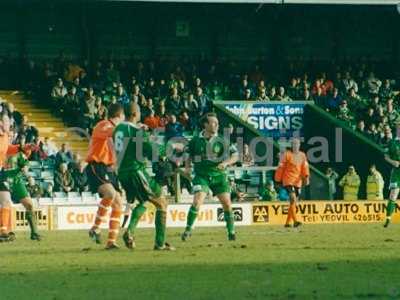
{"type": "Point", "coordinates": [347, 2]}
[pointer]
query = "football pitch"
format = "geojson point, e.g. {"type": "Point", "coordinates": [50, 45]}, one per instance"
{"type": "Point", "coordinates": [266, 262]}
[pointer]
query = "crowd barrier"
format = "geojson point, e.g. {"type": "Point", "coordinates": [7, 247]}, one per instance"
{"type": "Point", "coordinates": [75, 217]}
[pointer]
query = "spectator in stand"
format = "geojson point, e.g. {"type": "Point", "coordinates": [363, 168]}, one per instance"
{"type": "Point", "coordinates": [101, 110]}
{"type": "Point", "coordinates": [272, 94]}
{"type": "Point", "coordinates": [375, 184]}
{"type": "Point", "coordinates": [136, 94]}
{"type": "Point", "coordinates": [57, 95]}
{"type": "Point", "coordinates": [360, 128]}
{"type": "Point", "coordinates": [349, 83]}
{"type": "Point", "coordinates": [122, 96]}
{"type": "Point", "coordinates": [386, 137]}
{"type": "Point", "coordinates": [36, 149]}
{"type": "Point", "coordinates": [35, 191]}
{"type": "Point", "coordinates": [237, 195]}
{"type": "Point", "coordinates": [49, 148]}
{"type": "Point", "coordinates": [14, 115]}
{"type": "Point", "coordinates": [244, 85]}
{"type": "Point", "coordinates": [80, 178]}
{"type": "Point", "coordinates": [247, 159]}
{"type": "Point", "coordinates": [260, 87]}
{"type": "Point", "coordinates": [327, 83]}
{"type": "Point", "coordinates": [320, 99]}
{"type": "Point", "coordinates": [392, 114]}
{"type": "Point", "coordinates": [247, 95]}
{"type": "Point", "coordinates": [30, 133]}
{"type": "Point", "coordinates": [63, 156]}
{"type": "Point", "coordinates": [263, 95]}
{"type": "Point", "coordinates": [373, 84]}
{"type": "Point", "coordinates": [89, 110]}
{"type": "Point", "coordinates": [48, 191]}
{"type": "Point", "coordinates": [344, 113]}
{"type": "Point", "coordinates": [145, 112]}
{"type": "Point", "coordinates": [370, 117]}
{"type": "Point", "coordinates": [386, 91]}
{"type": "Point", "coordinates": [332, 177]}
{"type": "Point", "coordinates": [334, 101]}
{"type": "Point", "coordinates": [152, 90]}
{"type": "Point", "coordinates": [186, 121]}
{"type": "Point", "coordinates": [293, 90]}
{"type": "Point", "coordinates": [152, 121]}
{"type": "Point", "coordinates": [203, 101]}
{"type": "Point", "coordinates": [350, 183]}
{"type": "Point", "coordinates": [268, 192]}
{"type": "Point", "coordinates": [173, 103]}
{"type": "Point", "coordinates": [162, 114]}
{"type": "Point", "coordinates": [63, 181]}
{"type": "Point", "coordinates": [72, 106]}
{"type": "Point", "coordinates": [191, 106]}
{"type": "Point", "coordinates": [373, 133]}
{"type": "Point", "coordinates": [307, 96]}
{"type": "Point", "coordinates": [78, 87]}
{"type": "Point", "coordinates": [282, 95]}
{"type": "Point", "coordinates": [356, 104]}
{"type": "Point", "coordinates": [318, 88]}
{"type": "Point", "coordinates": [173, 128]}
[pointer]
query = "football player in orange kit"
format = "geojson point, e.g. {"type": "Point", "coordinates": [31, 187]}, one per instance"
{"type": "Point", "coordinates": [102, 176]}
{"type": "Point", "coordinates": [5, 196]}
{"type": "Point", "coordinates": [292, 173]}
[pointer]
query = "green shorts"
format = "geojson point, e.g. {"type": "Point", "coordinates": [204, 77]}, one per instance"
{"type": "Point", "coordinates": [18, 191]}
{"type": "Point", "coordinates": [218, 184]}
{"type": "Point", "coordinates": [395, 179]}
{"type": "Point", "coordinates": [139, 185]}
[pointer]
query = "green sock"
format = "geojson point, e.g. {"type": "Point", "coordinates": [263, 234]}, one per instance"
{"type": "Point", "coordinates": [192, 215]}
{"type": "Point", "coordinates": [229, 219]}
{"type": "Point", "coordinates": [30, 217]}
{"type": "Point", "coordinates": [137, 213]}
{"type": "Point", "coordinates": [161, 220]}
{"type": "Point", "coordinates": [391, 206]}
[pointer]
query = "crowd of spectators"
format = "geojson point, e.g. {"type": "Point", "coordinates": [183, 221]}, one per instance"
{"type": "Point", "coordinates": [174, 94]}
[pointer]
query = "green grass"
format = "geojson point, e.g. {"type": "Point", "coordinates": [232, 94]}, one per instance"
{"type": "Point", "coordinates": [318, 262]}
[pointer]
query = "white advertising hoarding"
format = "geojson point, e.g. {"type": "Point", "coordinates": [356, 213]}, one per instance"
{"type": "Point", "coordinates": [82, 217]}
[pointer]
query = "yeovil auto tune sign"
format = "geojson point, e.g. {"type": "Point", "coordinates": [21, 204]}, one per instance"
{"type": "Point", "coordinates": [324, 212]}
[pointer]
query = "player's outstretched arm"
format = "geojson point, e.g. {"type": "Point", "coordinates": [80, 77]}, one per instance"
{"type": "Point", "coordinates": [394, 163]}
{"type": "Point", "coordinates": [233, 159]}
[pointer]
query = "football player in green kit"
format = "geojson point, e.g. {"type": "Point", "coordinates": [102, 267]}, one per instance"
{"type": "Point", "coordinates": [210, 155]}
{"type": "Point", "coordinates": [14, 177]}
{"type": "Point", "coordinates": [393, 158]}
{"type": "Point", "coordinates": [132, 146]}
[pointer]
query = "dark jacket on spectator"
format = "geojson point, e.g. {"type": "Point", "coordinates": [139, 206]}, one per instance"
{"type": "Point", "coordinates": [61, 181]}
{"type": "Point", "coordinates": [173, 130]}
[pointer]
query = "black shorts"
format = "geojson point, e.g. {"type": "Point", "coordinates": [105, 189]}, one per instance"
{"type": "Point", "coordinates": [292, 189]}
{"type": "Point", "coordinates": [99, 174]}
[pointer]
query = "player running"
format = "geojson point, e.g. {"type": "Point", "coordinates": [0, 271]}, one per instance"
{"type": "Point", "coordinates": [393, 157]}
{"type": "Point", "coordinates": [293, 172]}
{"type": "Point", "coordinates": [102, 177]}
{"type": "Point", "coordinates": [132, 147]}
{"type": "Point", "coordinates": [206, 152]}
{"type": "Point", "coordinates": [19, 193]}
